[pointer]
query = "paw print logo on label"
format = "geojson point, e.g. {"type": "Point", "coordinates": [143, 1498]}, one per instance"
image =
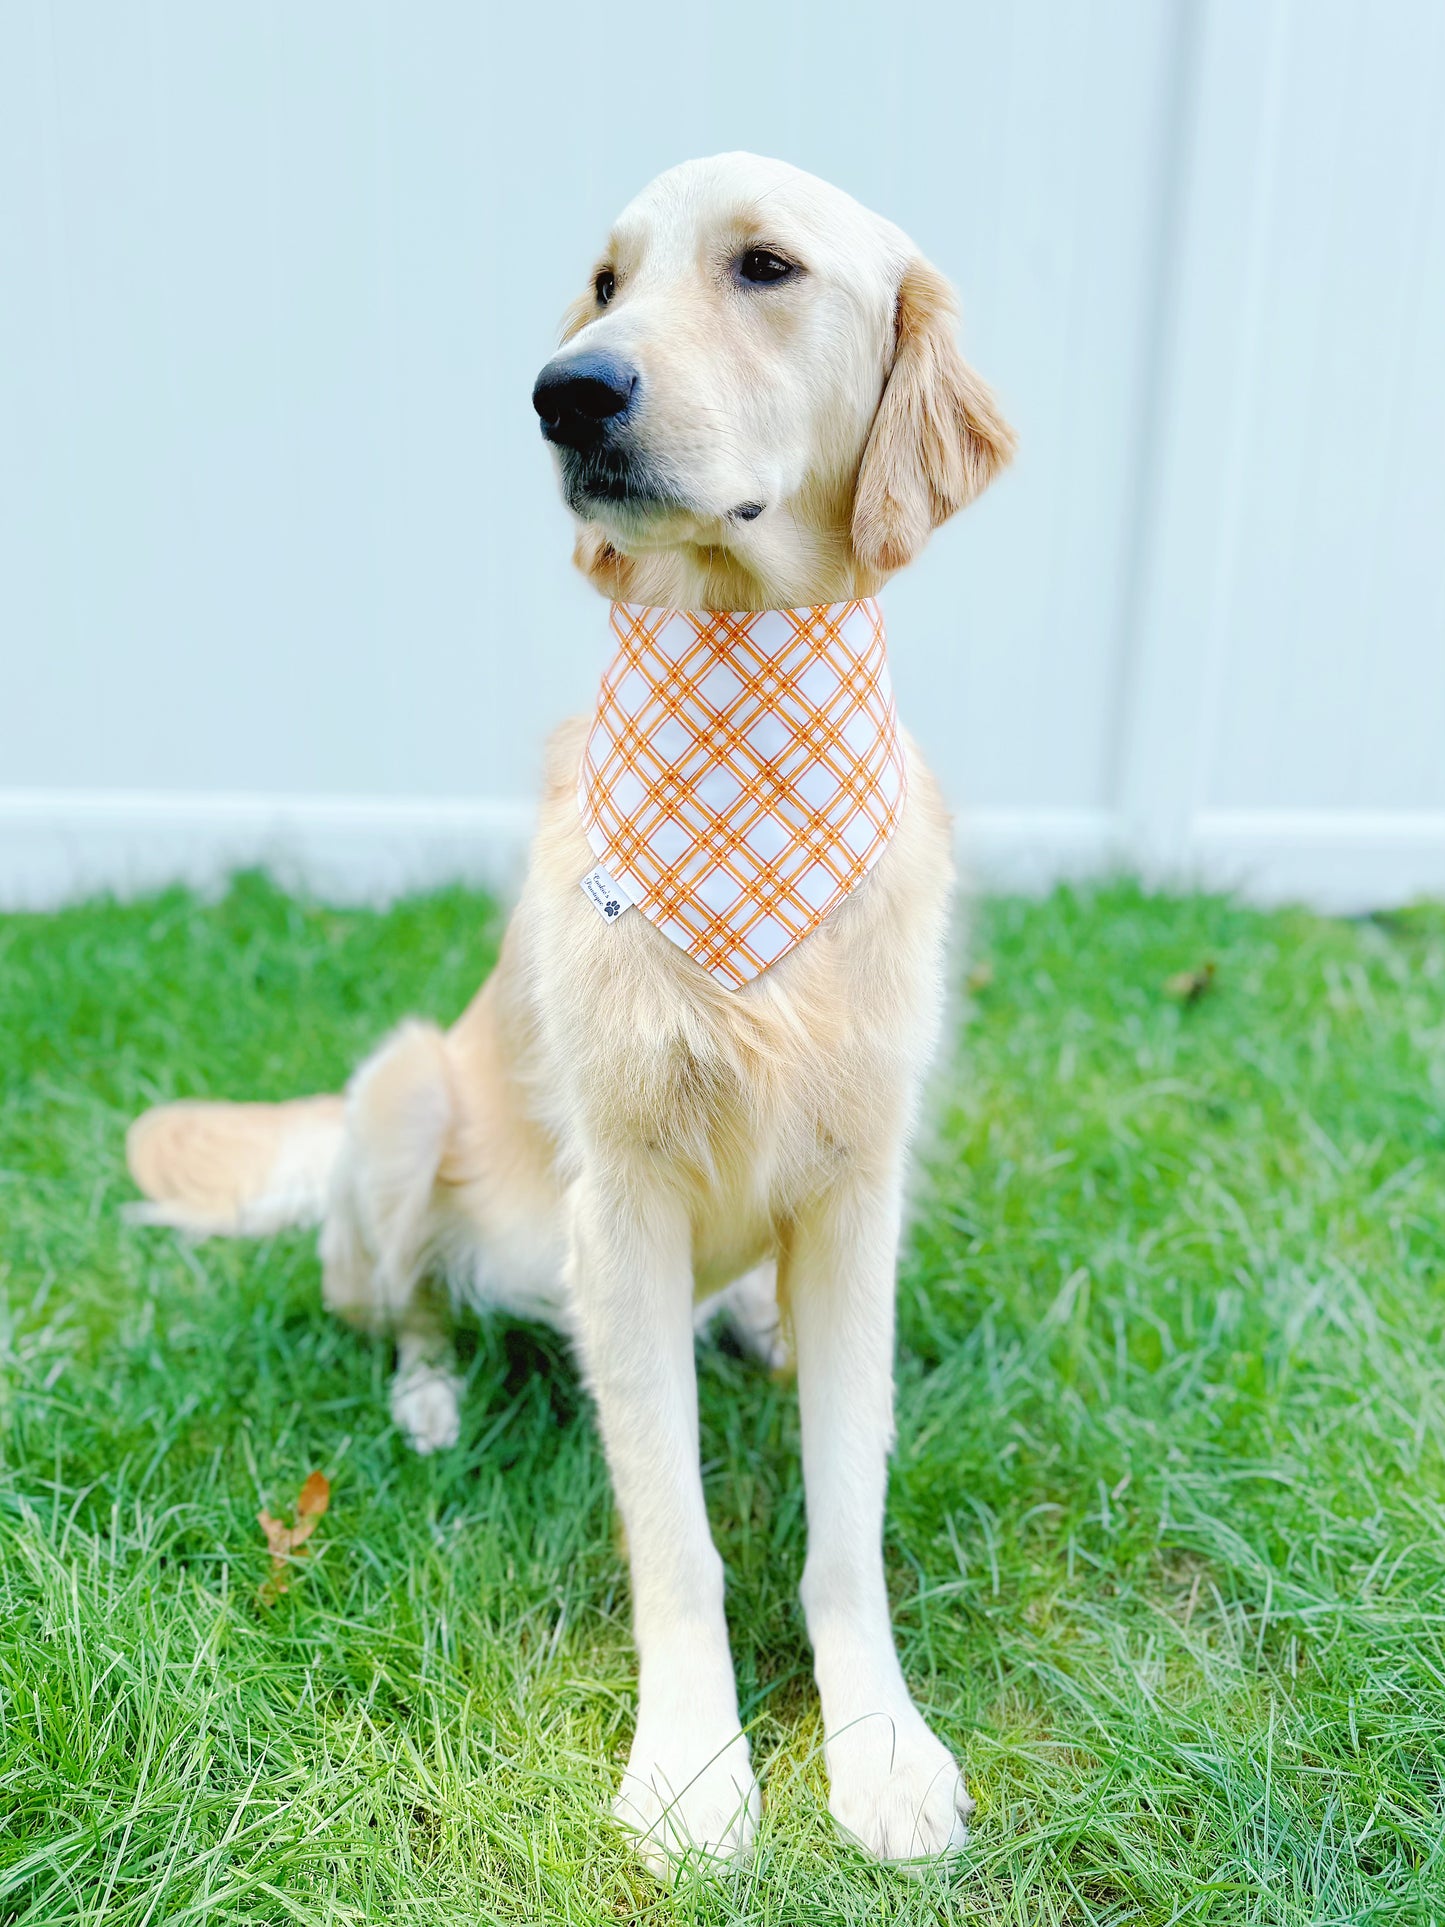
{"type": "Point", "coordinates": [603, 893]}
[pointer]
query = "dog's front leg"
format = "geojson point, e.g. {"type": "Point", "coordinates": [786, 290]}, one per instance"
{"type": "Point", "coordinates": [689, 1784]}
{"type": "Point", "coordinates": [895, 1788]}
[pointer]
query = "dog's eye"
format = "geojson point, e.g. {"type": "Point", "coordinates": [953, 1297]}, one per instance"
{"type": "Point", "coordinates": [606, 286]}
{"type": "Point", "coordinates": [762, 267]}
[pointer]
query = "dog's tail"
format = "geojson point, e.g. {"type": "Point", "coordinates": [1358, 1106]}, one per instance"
{"type": "Point", "coordinates": [364, 1167]}
{"type": "Point", "coordinates": [236, 1170]}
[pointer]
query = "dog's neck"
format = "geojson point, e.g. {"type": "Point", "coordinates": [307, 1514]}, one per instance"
{"type": "Point", "coordinates": [802, 557]}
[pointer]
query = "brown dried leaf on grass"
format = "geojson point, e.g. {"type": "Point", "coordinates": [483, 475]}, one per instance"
{"type": "Point", "coordinates": [1190, 985]}
{"type": "Point", "coordinates": [288, 1543]}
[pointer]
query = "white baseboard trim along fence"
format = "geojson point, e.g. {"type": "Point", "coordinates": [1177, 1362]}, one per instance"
{"type": "Point", "coordinates": [58, 846]}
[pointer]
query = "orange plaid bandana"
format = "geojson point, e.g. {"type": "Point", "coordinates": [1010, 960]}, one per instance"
{"type": "Point", "coordinates": [742, 774]}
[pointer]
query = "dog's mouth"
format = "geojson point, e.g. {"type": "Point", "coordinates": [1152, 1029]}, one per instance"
{"type": "Point", "coordinates": [614, 478]}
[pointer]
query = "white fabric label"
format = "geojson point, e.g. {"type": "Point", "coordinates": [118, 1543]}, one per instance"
{"type": "Point", "coordinates": [607, 897]}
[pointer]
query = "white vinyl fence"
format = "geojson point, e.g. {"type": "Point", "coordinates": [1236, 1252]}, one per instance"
{"type": "Point", "coordinates": [282, 575]}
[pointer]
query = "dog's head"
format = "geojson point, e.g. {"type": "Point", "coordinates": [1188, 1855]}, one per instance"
{"type": "Point", "coordinates": [760, 394]}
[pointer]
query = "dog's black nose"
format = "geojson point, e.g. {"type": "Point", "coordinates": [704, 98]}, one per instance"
{"type": "Point", "coordinates": [578, 395]}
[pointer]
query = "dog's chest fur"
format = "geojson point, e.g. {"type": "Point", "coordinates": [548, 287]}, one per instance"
{"type": "Point", "coordinates": [751, 1099]}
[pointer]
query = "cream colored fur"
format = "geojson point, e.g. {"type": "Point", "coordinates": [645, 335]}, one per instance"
{"type": "Point", "coordinates": [609, 1140]}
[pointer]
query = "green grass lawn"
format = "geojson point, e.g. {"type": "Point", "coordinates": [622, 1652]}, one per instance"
{"type": "Point", "coordinates": [1166, 1531]}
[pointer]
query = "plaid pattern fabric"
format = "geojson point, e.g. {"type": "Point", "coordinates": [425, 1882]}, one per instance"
{"type": "Point", "coordinates": [742, 773]}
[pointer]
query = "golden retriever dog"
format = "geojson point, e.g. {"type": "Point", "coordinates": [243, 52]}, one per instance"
{"type": "Point", "coordinates": [759, 404]}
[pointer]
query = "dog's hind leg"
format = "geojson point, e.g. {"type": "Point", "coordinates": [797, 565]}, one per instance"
{"type": "Point", "coordinates": [378, 1244]}
{"type": "Point", "coordinates": [748, 1308]}
{"type": "Point", "coordinates": [426, 1386]}
{"type": "Point", "coordinates": [364, 1168]}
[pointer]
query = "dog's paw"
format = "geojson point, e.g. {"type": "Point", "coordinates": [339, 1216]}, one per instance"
{"type": "Point", "coordinates": [424, 1404]}
{"type": "Point", "coordinates": [896, 1790]}
{"type": "Point", "coordinates": [767, 1345]}
{"type": "Point", "coordinates": [688, 1804]}
{"type": "Point", "coordinates": [748, 1310]}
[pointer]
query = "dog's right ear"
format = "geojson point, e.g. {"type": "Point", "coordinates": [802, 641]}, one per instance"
{"type": "Point", "coordinates": [576, 315]}
{"type": "Point", "coordinates": [609, 571]}
{"type": "Point", "coordinates": [938, 438]}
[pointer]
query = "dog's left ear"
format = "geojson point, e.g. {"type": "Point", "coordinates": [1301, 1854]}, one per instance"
{"type": "Point", "coordinates": [938, 438]}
